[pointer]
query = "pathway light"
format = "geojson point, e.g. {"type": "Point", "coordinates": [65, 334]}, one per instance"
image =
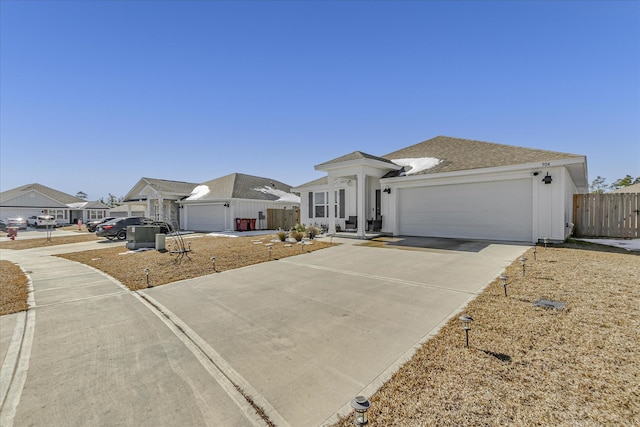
{"type": "Point", "coordinates": [146, 272]}
{"type": "Point", "coordinates": [360, 405]}
{"type": "Point", "coordinates": [523, 261]}
{"type": "Point", "coordinates": [504, 283]}
{"type": "Point", "coordinates": [466, 320]}
{"type": "Point", "coordinates": [213, 261]}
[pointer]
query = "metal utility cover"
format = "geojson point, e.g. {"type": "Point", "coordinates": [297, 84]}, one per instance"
{"type": "Point", "coordinates": [549, 304]}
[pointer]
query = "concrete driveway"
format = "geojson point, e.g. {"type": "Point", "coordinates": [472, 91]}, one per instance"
{"type": "Point", "coordinates": [306, 334]}
{"type": "Point", "coordinates": [298, 337]}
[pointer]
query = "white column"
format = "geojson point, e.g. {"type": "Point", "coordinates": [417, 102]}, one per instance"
{"type": "Point", "coordinates": [331, 202]}
{"type": "Point", "coordinates": [160, 208]}
{"type": "Point", "coordinates": [361, 203]}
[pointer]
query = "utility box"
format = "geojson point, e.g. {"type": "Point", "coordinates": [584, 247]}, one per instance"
{"type": "Point", "coordinates": [142, 236]}
{"type": "Point", "coordinates": [161, 240]}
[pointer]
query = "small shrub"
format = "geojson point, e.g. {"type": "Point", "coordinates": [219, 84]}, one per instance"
{"type": "Point", "coordinates": [297, 235]}
{"type": "Point", "coordinates": [300, 228]}
{"type": "Point", "coordinates": [313, 232]}
{"type": "Point", "coordinates": [282, 236]}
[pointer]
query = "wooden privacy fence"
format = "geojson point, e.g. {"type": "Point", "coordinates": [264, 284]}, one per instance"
{"type": "Point", "coordinates": [282, 218]}
{"type": "Point", "coordinates": [607, 215]}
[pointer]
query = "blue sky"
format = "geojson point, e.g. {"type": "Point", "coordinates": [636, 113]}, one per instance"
{"type": "Point", "coordinates": [95, 95]}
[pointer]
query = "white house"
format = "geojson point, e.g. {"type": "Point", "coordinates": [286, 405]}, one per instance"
{"type": "Point", "coordinates": [210, 206]}
{"type": "Point", "coordinates": [216, 205]}
{"type": "Point", "coordinates": [156, 199]}
{"type": "Point", "coordinates": [36, 199]}
{"type": "Point", "coordinates": [449, 187]}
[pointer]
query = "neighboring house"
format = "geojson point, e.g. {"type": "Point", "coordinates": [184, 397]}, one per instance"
{"type": "Point", "coordinates": [210, 206]}
{"type": "Point", "coordinates": [449, 187]}
{"type": "Point", "coordinates": [156, 199]}
{"type": "Point", "coordinates": [35, 199]}
{"type": "Point", "coordinates": [634, 188]}
{"type": "Point", "coordinates": [215, 205]}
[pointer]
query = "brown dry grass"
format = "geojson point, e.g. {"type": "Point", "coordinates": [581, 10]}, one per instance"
{"type": "Point", "coordinates": [230, 253]}
{"type": "Point", "coordinates": [13, 288]}
{"type": "Point", "coordinates": [528, 365]}
{"type": "Point", "coordinates": [19, 244]}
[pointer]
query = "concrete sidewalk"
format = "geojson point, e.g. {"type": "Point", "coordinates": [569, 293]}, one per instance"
{"type": "Point", "coordinates": [97, 355]}
{"type": "Point", "coordinates": [300, 336]}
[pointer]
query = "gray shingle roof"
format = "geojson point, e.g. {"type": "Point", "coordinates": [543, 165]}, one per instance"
{"type": "Point", "coordinates": [458, 154]}
{"type": "Point", "coordinates": [166, 186]}
{"type": "Point", "coordinates": [356, 155]}
{"type": "Point", "coordinates": [47, 191]}
{"type": "Point", "coordinates": [241, 186]}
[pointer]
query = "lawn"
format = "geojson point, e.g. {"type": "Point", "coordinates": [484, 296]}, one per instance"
{"type": "Point", "coordinates": [229, 252]}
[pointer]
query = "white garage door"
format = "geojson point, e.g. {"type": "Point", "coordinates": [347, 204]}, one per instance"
{"type": "Point", "coordinates": [498, 210]}
{"type": "Point", "coordinates": [205, 218]}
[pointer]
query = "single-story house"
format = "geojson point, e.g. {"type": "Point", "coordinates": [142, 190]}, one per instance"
{"type": "Point", "coordinates": [156, 199]}
{"type": "Point", "coordinates": [219, 204]}
{"type": "Point", "coordinates": [449, 187]}
{"type": "Point", "coordinates": [213, 205]}
{"type": "Point", "coordinates": [36, 199]}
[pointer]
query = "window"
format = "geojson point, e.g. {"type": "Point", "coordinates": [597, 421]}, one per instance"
{"type": "Point", "coordinates": [320, 205]}
{"type": "Point", "coordinates": [339, 203]}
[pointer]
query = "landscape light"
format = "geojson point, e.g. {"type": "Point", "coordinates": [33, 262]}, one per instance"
{"type": "Point", "coordinates": [523, 261]}
{"type": "Point", "coordinates": [360, 405]}
{"type": "Point", "coordinates": [213, 260]}
{"type": "Point", "coordinates": [546, 240]}
{"type": "Point", "coordinates": [270, 250]}
{"type": "Point", "coordinates": [466, 320]}
{"type": "Point", "coordinates": [146, 272]}
{"type": "Point", "coordinates": [535, 258]}
{"type": "Point", "coordinates": [504, 283]}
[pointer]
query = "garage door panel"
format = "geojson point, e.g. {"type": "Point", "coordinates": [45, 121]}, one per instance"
{"type": "Point", "coordinates": [500, 210]}
{"type": "Point", "coordinates": [206, 218]}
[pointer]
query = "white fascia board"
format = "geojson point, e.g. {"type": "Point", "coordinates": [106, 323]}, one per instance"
{"type": "Point", "coordinates": [510, 169]}
{"type": "Point", "coordinates": [377, 164]}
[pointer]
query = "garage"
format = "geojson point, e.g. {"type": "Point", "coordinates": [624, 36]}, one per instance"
{"type": "Point", "coordinates": [495, 210]}
{"type": "Point", "coordinates": [205, 217]}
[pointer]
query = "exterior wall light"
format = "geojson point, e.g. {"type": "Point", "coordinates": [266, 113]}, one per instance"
{"type": "Point", "coordinates": [504, 283]}
{"type": "Point", "coordinates": [360, 405]}
{"type": "Point", "coordinates": [466, 320]}
{"type": "Point", "coordinates": [523, 261]}
{"type": "Point", "coordinates": [547, 179]}
{"type": "Point", "coordinates": [387, 190]}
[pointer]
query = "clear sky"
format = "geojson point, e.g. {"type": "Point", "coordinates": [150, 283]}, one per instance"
{"type": "Point", "coordinates": [95, 95]}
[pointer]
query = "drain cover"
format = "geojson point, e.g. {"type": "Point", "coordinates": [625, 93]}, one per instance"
{"type": "Point", "coordinates": [549, 304]}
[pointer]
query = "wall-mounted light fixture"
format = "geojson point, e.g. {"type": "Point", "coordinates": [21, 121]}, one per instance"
{"type": "Point", "coordinates": [547, 179]}
{"type": "Point", "coordinates": [226, 205]}
{"type": "Point", "coordinates": [387, 190]}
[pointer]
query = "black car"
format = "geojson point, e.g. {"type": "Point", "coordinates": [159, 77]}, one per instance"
{"type": "Point", "coordinates": [117, 228]}
{"type": "Point", "coordinates": [92, 225]}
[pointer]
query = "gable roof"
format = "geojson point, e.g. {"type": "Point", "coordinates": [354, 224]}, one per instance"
{"type": "Point", "coordinates": [356, 155]}
{"type": "Point", "coordinates": [457, 154]}
{"type": "Point", "coordinates": [56, 195]}
{"type": "Point", "coordinates": [241, 186]}
{"type": "Point", "coordinates": [163, 186]}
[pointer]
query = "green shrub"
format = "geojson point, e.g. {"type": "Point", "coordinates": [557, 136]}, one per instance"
{"type": "Point", "coordinates": [300, 228]}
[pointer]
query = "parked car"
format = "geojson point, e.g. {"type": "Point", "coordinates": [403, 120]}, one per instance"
{"type": "Point", "coordinates": [3, 225]}
{"type": "Point", "coordinates": [42, 221]}
{"type": "Point", "coordinates": [92, 225]}
{"type": "Point", "coordinates": [19, 222]}
{"type": "Point", "coordinates": [117, 228]}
